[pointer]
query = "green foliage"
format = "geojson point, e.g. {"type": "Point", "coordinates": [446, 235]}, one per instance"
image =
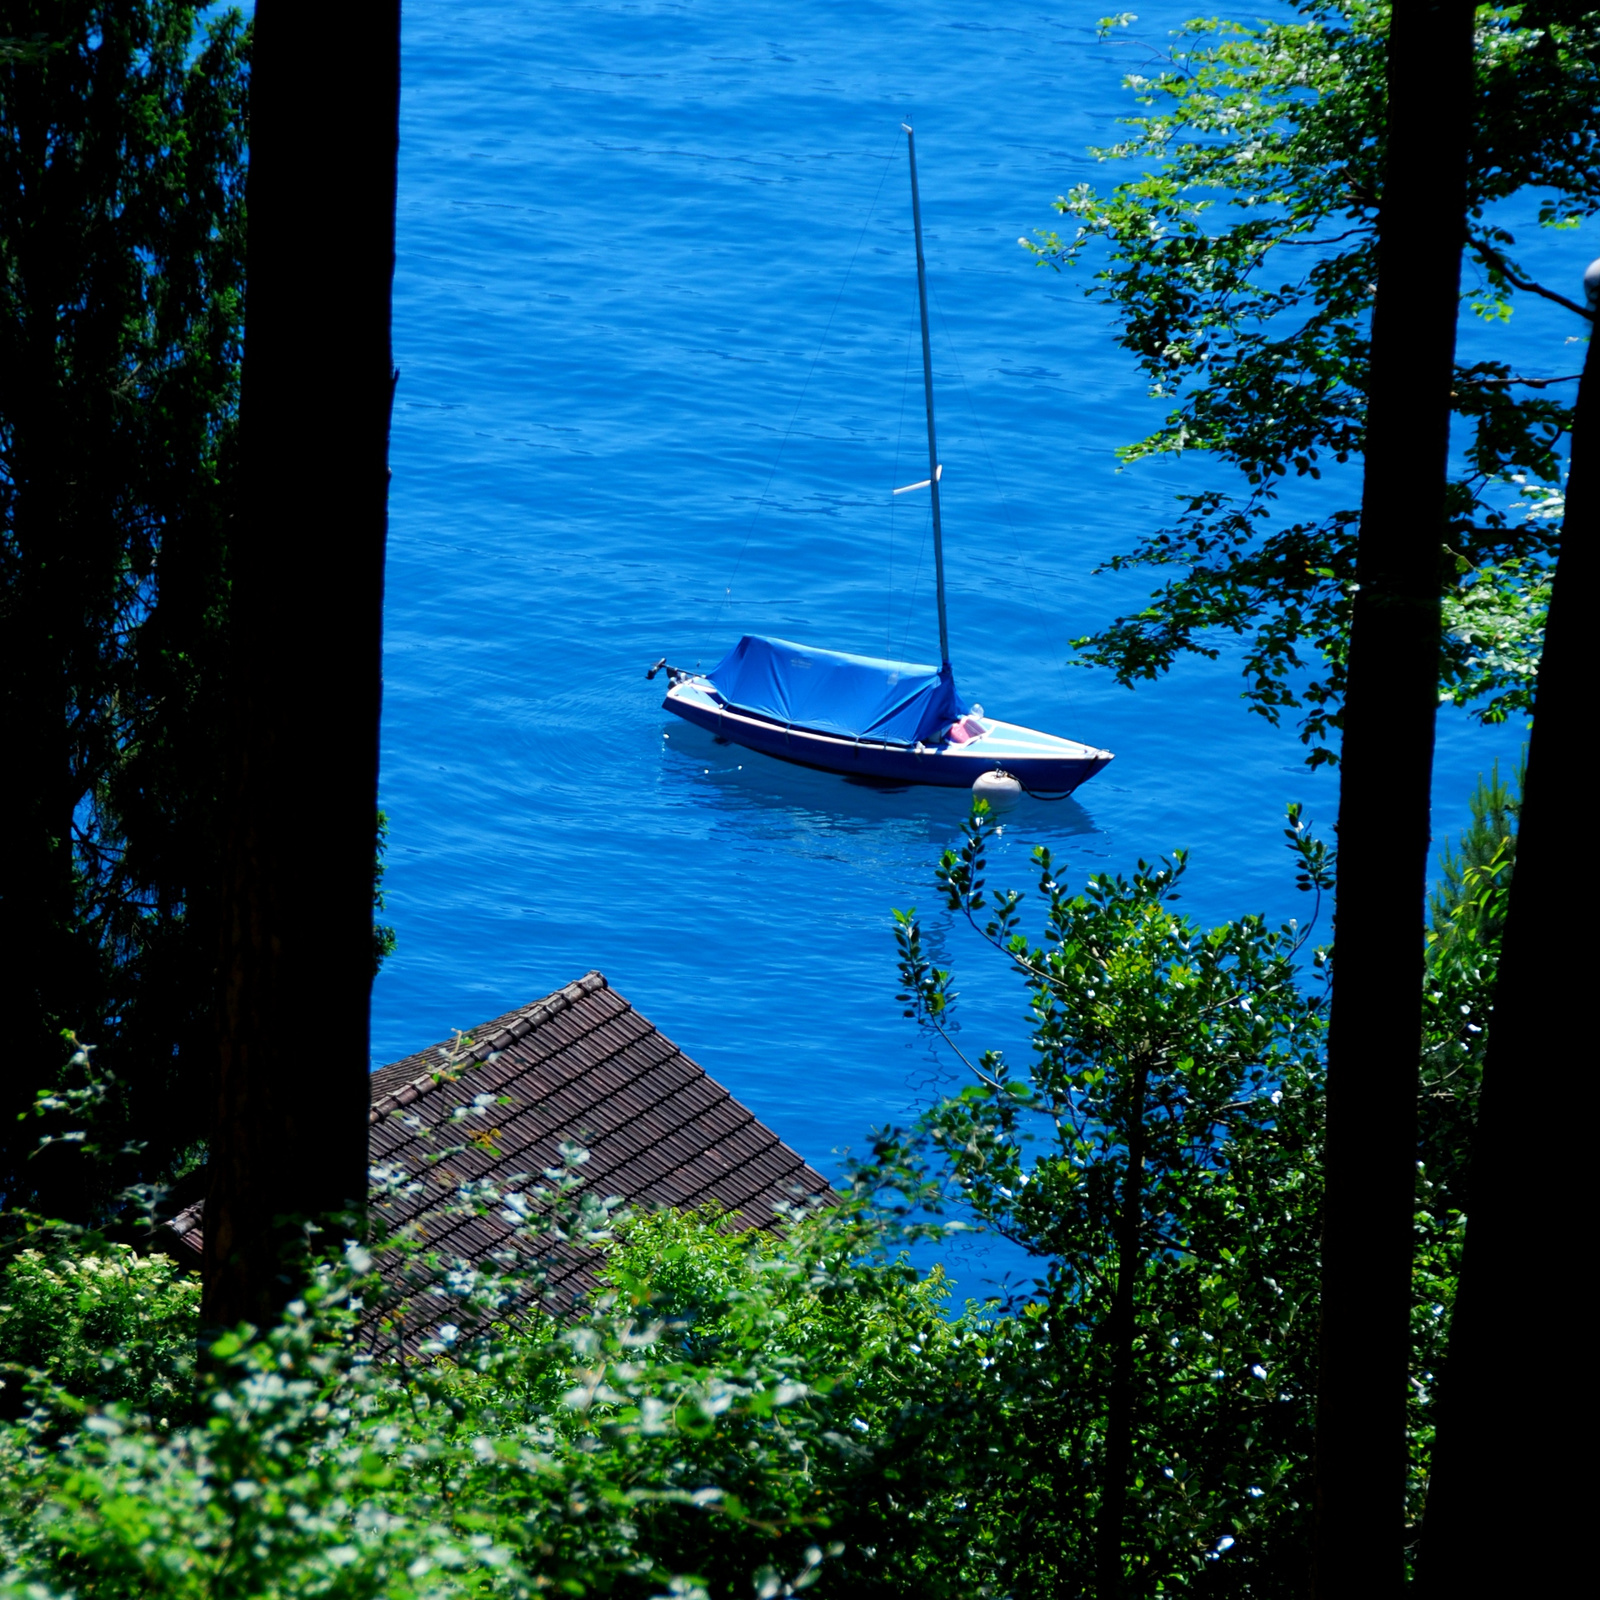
{"type": "Point", "coordinates": [1468, 916]}
{"type": "Point", "coordinates": [751, 1412]}
{"type": "Point", "coordinates": [718, 1421]}
{"type": "Point", "coordinates": [383, 936]}
{"type": "Point", "coordinates": [287, 1487]}
{"type": "Point", "coordinates": [871, 1378]}
{"type": "Point", "coordinates": [1240, 266]}
{"type": "Point", "coordinates": [1160, 1157]}
{"type": "Point", "coordinates": [727, 1413]}
{"type": "Point", "coordinates": [1490, 840]}
{"type": "Point", "coordinates": [105, 1326]}
{"type": "Point", "coordinates": [122, 165]}
{"type": "Point", "coordinates": [847, 1365]}
{"type": "Point", "coordinates": [733, 1412]}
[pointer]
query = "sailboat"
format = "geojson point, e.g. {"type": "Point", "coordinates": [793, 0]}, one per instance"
{"type": "Point", "coordinates": [866, 717]}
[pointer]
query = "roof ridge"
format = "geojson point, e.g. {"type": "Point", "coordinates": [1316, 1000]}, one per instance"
{"type": "Point", "coordinates": [539, 1012]}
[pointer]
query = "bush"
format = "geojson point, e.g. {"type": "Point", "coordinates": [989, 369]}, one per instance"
{"type": "Point", "coordinates": [102, 1327]}
{"type": "Point", "coordinates": [724, 1411]}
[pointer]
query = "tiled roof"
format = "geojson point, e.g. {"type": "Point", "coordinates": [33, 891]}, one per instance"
{"type": "Point", "coordinates": [579, 1066]}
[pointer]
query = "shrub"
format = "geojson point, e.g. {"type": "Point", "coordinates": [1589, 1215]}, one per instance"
{"type": "Point", "coordinates": [102, 1327]}
{"type": "Point", "coordinates": [722, 1412]}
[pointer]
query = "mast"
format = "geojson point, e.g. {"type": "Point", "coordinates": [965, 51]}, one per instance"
{"type": "Point", "coordinates": [927, 385]}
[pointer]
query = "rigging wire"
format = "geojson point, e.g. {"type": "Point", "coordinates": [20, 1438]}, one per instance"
{"type": "Point", "coordinates": [888, 162]}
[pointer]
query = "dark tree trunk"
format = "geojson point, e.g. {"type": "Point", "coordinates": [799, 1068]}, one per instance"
{"type": "Point", "coordinates": [1505, 1457]}
{"type": "Point", "coordinates": [1384, 791]}
{"type": "Point", "coordinates": [1120, 1328]}
{"type": "Point", "coordinates": [307, 568]}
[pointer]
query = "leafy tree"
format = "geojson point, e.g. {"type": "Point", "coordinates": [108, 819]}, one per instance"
{"type": "Point", "coordinates": [121, 280]}
{"type": "Point", "coordinates": [1159, 1158]}
{"type": "Point", "coordinates": [1343, 135]}
{"type": "Point", "coordinates": [1240, 265]}
{"type": "Point", "coordinates": [1218, 1380]}
{"type": "Point", "coordinates": [885, 1396]}
{"type": "Point", "coordinates": [1468, 912]}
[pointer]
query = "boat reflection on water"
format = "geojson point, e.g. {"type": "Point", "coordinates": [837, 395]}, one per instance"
{"type": "Point", "coordinates": [741, 781]}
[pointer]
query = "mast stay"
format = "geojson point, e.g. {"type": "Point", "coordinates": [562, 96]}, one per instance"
{"type": "Point", "coordinates": [934, 469]}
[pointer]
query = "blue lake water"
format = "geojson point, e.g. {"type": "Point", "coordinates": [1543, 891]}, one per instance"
{"type": "Point", "coordinates": [626, 233]}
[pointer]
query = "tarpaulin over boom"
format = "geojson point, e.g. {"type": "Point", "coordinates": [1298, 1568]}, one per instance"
{"type": "Point", "coordinates": [856, 697]}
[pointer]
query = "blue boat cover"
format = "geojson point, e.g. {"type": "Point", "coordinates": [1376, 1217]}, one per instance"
{"type": "Point", "coordinates": [856, 697]}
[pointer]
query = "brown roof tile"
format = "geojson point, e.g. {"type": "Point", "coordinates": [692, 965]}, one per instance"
{"type": "Point", "coordinates": [580, 1065]}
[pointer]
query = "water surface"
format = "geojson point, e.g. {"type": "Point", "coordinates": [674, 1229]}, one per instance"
{"type": "Point", "coordinates": [656, 313]}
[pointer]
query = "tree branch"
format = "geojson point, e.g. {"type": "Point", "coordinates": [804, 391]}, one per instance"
{"type": "Point", "coordinates": [1531, 383]}
{"type": "Point", "coordinates": [1493, 259]}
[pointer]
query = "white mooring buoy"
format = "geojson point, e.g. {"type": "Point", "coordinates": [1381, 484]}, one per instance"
{"type": "Point", "coordinates": [997, 787]}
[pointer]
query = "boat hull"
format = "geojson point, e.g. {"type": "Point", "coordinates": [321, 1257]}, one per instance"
{"type": "Point", "coordinates": [1041, 762]}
